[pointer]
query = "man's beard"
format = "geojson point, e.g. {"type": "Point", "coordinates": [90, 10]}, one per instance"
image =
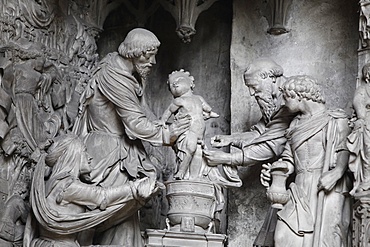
{"type": "Point", "coordinates": [267, 105]}
{"type": "Point", "coordinates": [143, 70]}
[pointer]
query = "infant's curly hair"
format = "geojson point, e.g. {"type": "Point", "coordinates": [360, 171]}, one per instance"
{"type": "Point", "coordinates": [303, 87]}
{"type": "Point", "coordinates": [181, 73]}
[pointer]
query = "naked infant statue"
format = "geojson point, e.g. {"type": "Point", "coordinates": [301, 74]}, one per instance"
{"type": "Point", "coordinates": [181, 85]}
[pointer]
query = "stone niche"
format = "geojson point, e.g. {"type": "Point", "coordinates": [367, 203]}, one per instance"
{"type": "Point", "coordinates": [320, 39]}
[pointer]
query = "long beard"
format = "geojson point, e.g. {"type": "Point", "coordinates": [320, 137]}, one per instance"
{"type": "Point", "coordinates": [267, 105]}
{"type": "Point", "coordinates": [143, 70]}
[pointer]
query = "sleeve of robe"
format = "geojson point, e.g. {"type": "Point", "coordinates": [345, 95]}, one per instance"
{"type": "Point", "coordinates": [270, 143]}
{"type": "Point", "coordinates": [121, 88]}
{"type": "Point", "coordinates": [96, 196]}
{"type": "Point", "coordinates": [65, 224]}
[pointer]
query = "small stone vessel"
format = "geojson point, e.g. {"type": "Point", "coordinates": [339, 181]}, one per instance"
{"type": "Point", "coordinates": [277, 192]}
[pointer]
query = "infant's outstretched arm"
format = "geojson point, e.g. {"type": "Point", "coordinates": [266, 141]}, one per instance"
{"type": "Point", "coordinates": [207, 110]}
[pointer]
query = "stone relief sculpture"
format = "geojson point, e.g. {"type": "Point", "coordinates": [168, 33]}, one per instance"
{"type": "Point", "coordinates": [63, 205]}
{"type": "Point", "coordinates": [6, 70]}
{"type": "Point", "coordinates": [113, 125]}
{"type": "Point", "coordinates": [37, 84]}
{"type": "Point", "coordinates": [50, 53]}
{"type": "Point", "coordinates": [34, 79]}
{"type": "Point", "coordinates": [51, 49]}
{"type": "Point", "coordinates": [364, 24]}
{"type": "Point", "coordinates": [14, 215]}
{"type": "Point", "coordinates": [14, 189]}
{"type": "Point", "coordinates": [318, 212]}
{"type": "Point", "coordinates": [266, 140]}
{"type": "Point", "coordinates": [357, 140]}
{"type": "Point", "coordinates": [357, 143]}
{"type": "Point", "coordinates": [198, 186]}
{"type": "Point", "coordinates": [31, 120]}
{"type": "Point", "coordinates": [181, 85]}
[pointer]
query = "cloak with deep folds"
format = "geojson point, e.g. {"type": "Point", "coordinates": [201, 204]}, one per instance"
{"type": "Point", "coordinates": [313, 144]}
{"type": "Point", "coordinates": [113, 125]}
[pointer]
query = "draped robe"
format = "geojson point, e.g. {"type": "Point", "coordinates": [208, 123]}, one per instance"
{"type": "Point", "coordinates": [113, 125]}
{"type": "Point", "coordinates": [311, 143]}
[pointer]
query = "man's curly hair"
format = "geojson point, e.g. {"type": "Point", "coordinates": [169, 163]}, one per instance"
{"type": "Point", "coordinates": [303, 87]}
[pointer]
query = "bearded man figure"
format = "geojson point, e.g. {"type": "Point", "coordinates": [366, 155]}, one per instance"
{"type": "Point", "coordinates": [113, 123]}
{"type": "Point", "coordinates": [265, 141]}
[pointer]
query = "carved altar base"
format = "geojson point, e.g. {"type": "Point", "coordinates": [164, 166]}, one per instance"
{"type": "Point", "coordinates": [191, 206]}
{"type": "Point", "coordinates": [157, 238]}
{"type": "Point", "coordinates": [190, 217]}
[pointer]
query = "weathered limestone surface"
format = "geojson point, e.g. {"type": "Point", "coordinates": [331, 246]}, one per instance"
{"type": "Point", "coordinates": [323, 43]}
{"type": "Point", "coordinates": [67, 35]}
{"type": "Point", "coordinates": [207, 57]}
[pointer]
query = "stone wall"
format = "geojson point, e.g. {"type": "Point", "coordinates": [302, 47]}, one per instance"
{"type": "Point", "coordinates": [322, 42]}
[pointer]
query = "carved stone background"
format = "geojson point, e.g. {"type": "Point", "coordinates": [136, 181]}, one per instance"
{"type": "Point", "coordinates": [47, 52]}
{"type": "Point", "coordinates": [322, 41]}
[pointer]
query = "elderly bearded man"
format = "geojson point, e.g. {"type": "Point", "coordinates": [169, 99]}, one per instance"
{"type": "Point", "coordinates": [113, 125]}
{"type": "Point", "coordinates": [266, 139]}
{"type": "Point", "coordinates": [265, 142]}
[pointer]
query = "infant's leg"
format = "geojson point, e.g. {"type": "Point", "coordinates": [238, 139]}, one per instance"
{"type": "Point", "coordinates": [189, 150]}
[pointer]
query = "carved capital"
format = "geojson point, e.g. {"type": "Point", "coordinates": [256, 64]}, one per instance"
{"type": "Point", "coordinates": [186, 13]}
{"type": "Point", "coordinates": [278, 15]}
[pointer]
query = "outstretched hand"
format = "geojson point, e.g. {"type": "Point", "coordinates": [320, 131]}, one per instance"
{"type": "Point", "coordinates": [329, 179]}
{"type": "Point", "coordinates": [221, 141]}
{"type": "Point", "coordinates": [147, 187]}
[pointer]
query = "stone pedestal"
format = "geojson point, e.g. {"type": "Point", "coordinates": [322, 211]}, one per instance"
{"type": "Point", "coordinates": [157, 238]}
{"type": "Point", "coordinates": [191, 205]}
